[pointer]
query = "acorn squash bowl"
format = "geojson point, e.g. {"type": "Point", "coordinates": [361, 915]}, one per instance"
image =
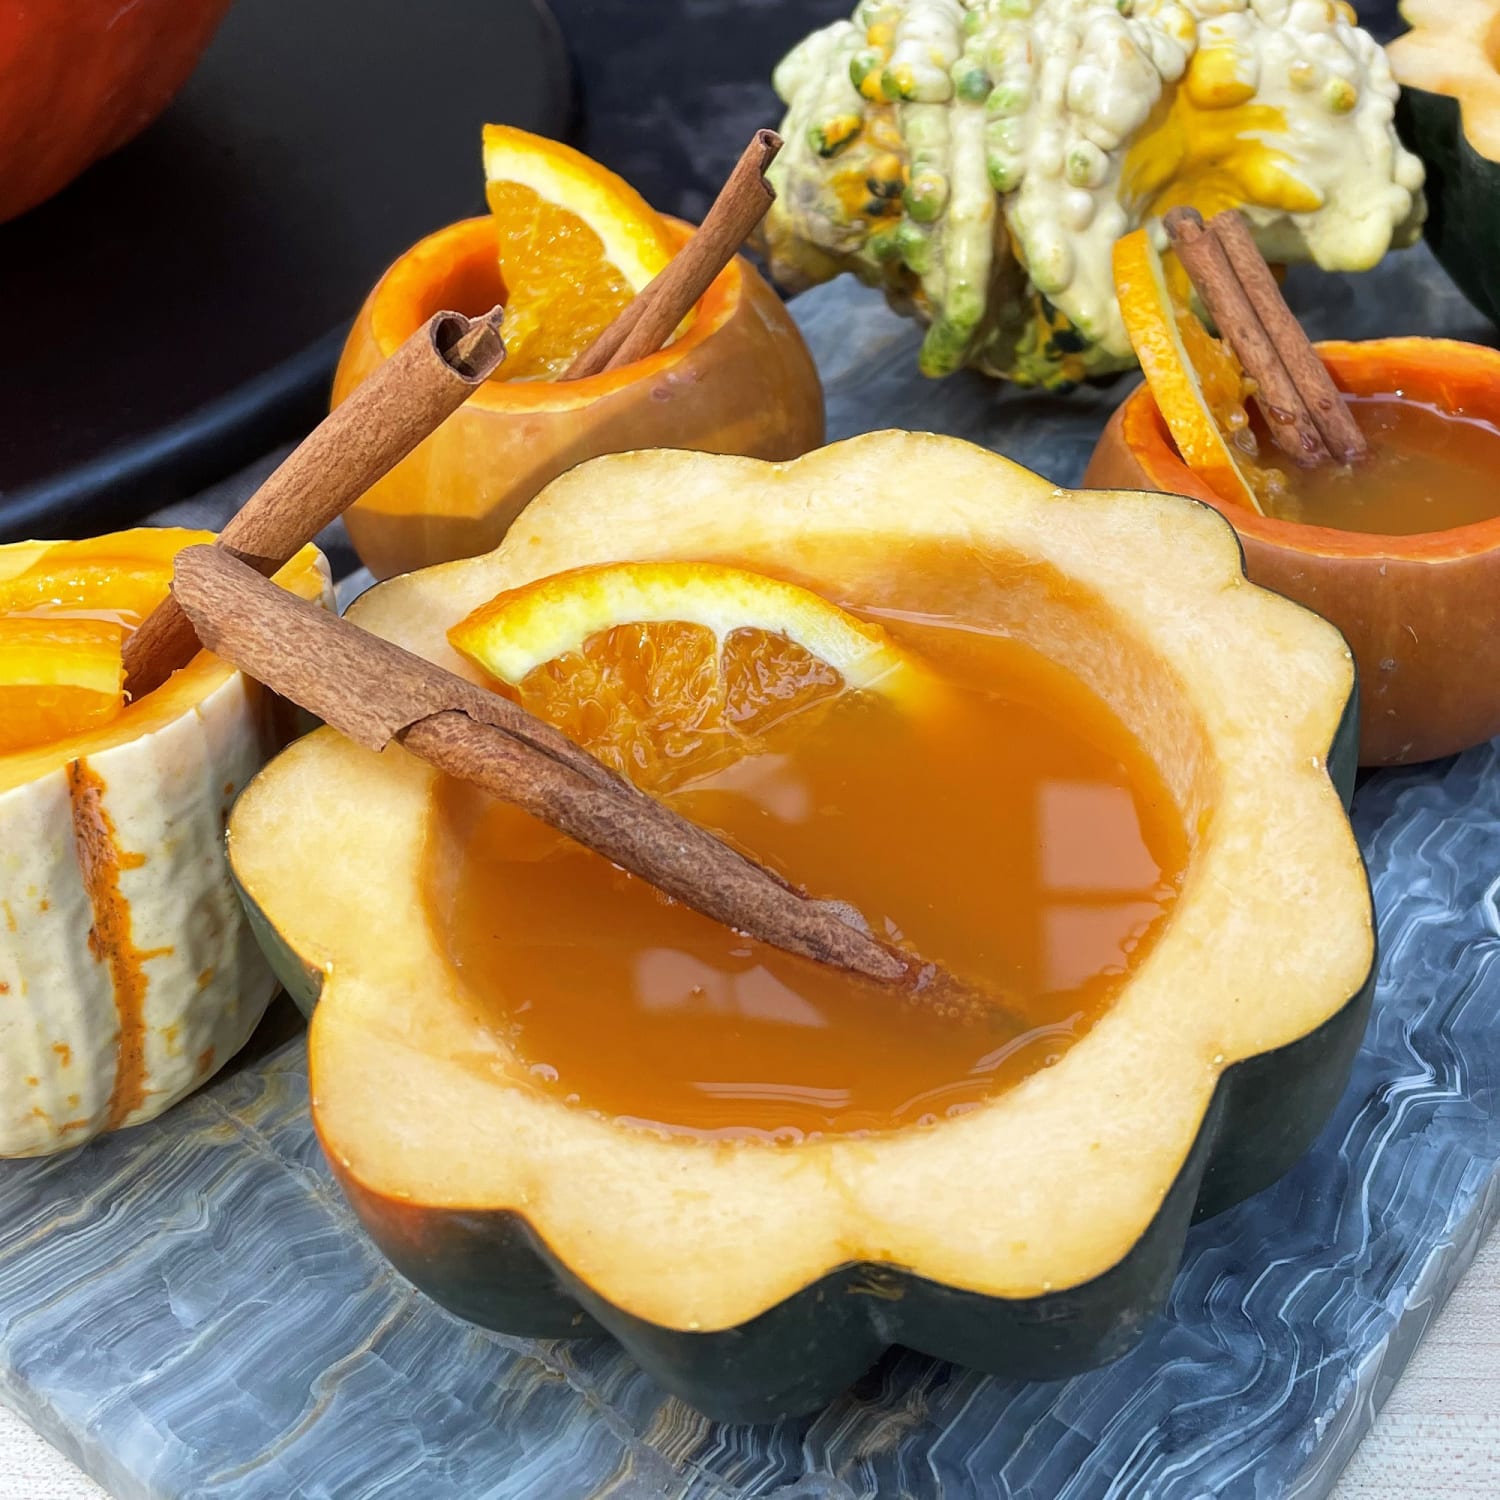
{"type": "Point", "coordinates": [1448, 66]}
{"type": "Point", "coordinates": [1034, 1236]}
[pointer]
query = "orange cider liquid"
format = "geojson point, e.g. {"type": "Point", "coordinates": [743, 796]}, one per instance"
{"type": "Point", "coordinates": [1428, 470]}
{"type": "Point", "coordinates": [1020, 834]}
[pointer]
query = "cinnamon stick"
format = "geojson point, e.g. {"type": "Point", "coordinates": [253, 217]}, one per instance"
{"type": "Point", "coordinates": [375, 692]}
{"type": "Point", "coordinates": [1330, 412]}
{"type": "Point", "coordinates": [648, 319]}
{"type": "Point", "coordinates": [1286, 412]}
{"type": "Point", "coordinates": [383, 419]}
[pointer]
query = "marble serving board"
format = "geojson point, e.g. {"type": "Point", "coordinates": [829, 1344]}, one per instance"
{"type": "Point", "coordinates": [189, 1309]}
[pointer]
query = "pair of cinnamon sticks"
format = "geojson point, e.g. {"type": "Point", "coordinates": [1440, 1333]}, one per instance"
{"type": "Point", "coordinates": [1306, 415]}
{"type": "Point", "coordinates": [376, 692]}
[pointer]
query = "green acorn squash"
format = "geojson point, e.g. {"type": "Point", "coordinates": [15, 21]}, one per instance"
{"type": "Point", "coordinates": [1448, 66]}
{"type": "Point", "coordinates": [1034, 1236]}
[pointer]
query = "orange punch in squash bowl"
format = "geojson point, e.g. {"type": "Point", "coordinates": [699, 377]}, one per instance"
{"type": "Point", "coordinates": [1052, 740]}
{"type": "Point", "coordinates": [1418, 610]}
{"type": "Point", "coordinates": [738, 380]}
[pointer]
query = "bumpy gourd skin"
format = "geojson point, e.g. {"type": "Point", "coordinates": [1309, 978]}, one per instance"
{"type": "Point", "coordinates": [978, 158]}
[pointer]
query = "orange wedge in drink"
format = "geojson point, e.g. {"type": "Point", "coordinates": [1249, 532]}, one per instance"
{"type": "Point", "coordinates": [576, 243]}
{"type": "Point", "coordinates": [58, 677]}
{"type": "Point", "coordinates": [1198, 384]}
{"type": "Point", "coordinates": [659, 666]}
{"type": "Point", "coordinates": [121, 577]}
{"type": "Point", "coordinates": [64, 611]}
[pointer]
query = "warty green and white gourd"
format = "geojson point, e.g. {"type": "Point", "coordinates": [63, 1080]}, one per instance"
{"type": "Point", "coordinates": [977, 159]}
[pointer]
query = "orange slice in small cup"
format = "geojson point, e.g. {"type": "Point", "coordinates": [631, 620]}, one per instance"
{"type": "Point", "coordinates": [576, 243]}
{"type": "Point", "coordinates": [1198, 384]}
{"type": "Point", "coordinates": [121, 577]}
{"type": "Point", "coordinates": [58, 677]}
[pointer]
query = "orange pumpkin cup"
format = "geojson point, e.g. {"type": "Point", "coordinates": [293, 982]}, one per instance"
{"type": "Point", "coordinates": [740, 380]}
{"type": "Point", "coordinates": [1417, 610]}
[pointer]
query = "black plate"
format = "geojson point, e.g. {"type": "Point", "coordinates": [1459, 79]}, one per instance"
{"type": "Point", "coordinates": [177, 311]}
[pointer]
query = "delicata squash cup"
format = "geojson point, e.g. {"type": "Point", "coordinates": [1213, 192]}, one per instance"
{"type": "Point", "coordinates": [739, 380]}
{"type": "Point", "coordinates": [128, 972]}
{"type": "Point", "coordinates": [1033, 1236]}
{"type": "Point", "coordinates": [1418, 611]}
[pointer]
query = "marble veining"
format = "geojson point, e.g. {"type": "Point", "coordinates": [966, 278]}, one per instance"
{"type": "Point", "coordinates": [189, 1309]}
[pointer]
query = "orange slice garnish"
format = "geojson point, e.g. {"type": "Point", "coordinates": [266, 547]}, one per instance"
{"type": "Point", "coordinates": [122, 577]}
{"type": "Point", "coordinates": [1198, 384]}
{"type": "Point", "coordinates": [662, 667]}
{"type": "Point", "coordinates": [58, 678]}
{"type": "Point", "coordinates": [576, 243]}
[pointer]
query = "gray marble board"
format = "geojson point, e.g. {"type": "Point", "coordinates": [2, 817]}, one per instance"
{"type": "Point", "coordinates": [188, 1309]}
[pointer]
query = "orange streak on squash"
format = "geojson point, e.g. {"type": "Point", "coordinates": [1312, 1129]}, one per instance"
{"type": "Point", "coordinates": [111, 940]}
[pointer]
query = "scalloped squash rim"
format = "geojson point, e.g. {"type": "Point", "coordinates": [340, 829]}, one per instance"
{"type": "Point", "coordinates": [421, 1110]}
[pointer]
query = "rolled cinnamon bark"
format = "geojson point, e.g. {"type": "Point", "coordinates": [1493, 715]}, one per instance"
{"type": "Point", "coordinates": [1329, 411]}
{"type": "Point", "coordinates": [1281, 403]}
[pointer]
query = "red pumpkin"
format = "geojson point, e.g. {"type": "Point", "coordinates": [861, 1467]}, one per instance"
{"type": "Point", "coordinates": [79, 78]}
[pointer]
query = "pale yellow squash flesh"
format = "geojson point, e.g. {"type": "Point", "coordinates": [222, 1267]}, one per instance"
{"type": "Point", "coordinates": [1453, 48]}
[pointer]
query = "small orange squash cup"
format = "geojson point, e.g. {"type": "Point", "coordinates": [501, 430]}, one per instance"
{"type": "Point", "coordinates": [740, 380]}
{"type": "Point", "coordinates": [1418, 611]}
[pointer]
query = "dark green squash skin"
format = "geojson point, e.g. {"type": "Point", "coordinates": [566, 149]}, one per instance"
{"type": "Point", "coordinates": [490, 1266]}
{"type": "Point", "coordinates": [1463, 195]}
{"type": "Point", "coordinates": [301, 980]}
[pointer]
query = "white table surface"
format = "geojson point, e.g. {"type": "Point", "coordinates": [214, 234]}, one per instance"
{"type": "Point", "coordinates": [1438, 1437]}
